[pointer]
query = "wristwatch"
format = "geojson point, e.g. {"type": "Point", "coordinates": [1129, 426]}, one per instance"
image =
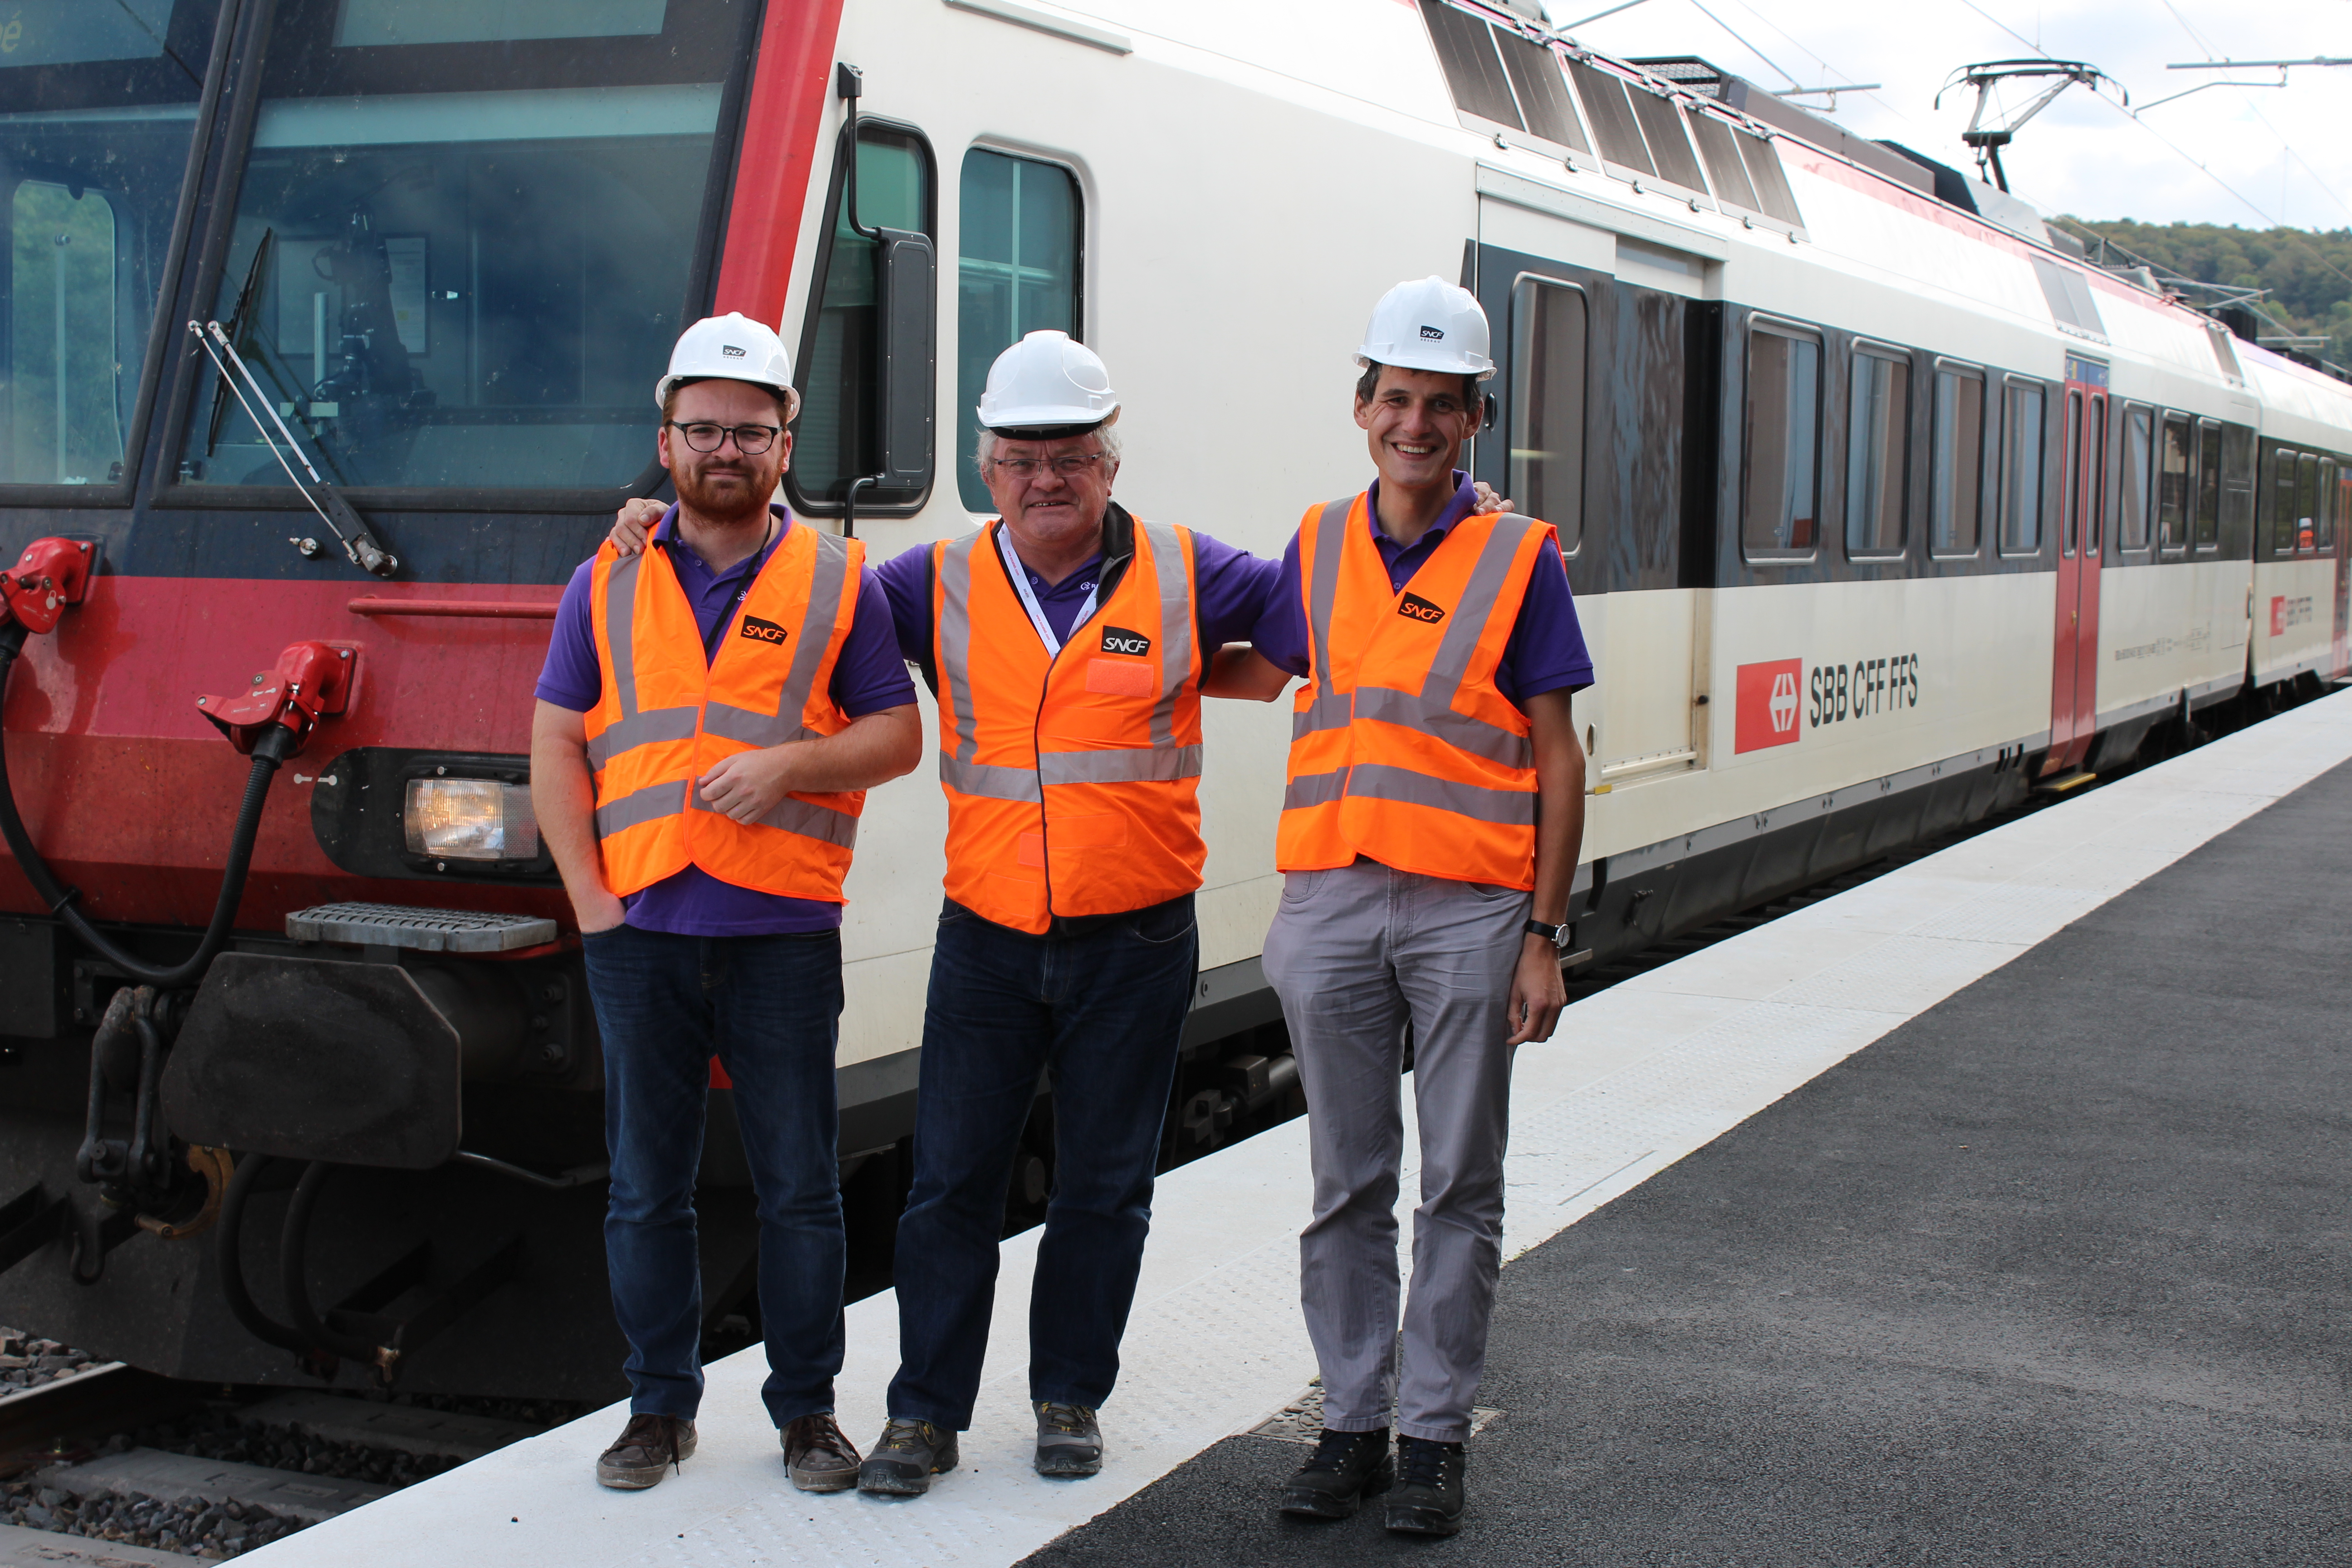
{"type": "Point", "coordinates": [1556, 935]}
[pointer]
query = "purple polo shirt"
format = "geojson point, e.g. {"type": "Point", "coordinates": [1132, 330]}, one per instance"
{"type": "Point", "coordinates": [867, 677]}
{"type": "Point", "coordinates": [1546, 651]}
{"type": "Point", "coordinates": [1232, 589]}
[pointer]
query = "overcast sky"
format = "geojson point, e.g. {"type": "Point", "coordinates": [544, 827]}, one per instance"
{"type": "Point", "coordinates": [2268, 154]}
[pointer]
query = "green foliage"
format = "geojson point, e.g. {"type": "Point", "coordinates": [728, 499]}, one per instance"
{"type": "Point", "coordinates": [2308, 272]}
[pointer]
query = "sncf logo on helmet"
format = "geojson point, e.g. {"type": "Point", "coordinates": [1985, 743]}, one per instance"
{"type": "Point", "coordinates": [1414, 607]}
{"type": "Point", "coordinates": [764, 631]}
{"type": "Point", "coordinates": [1435, 334]}
{"type": "Point", "coordinates": [1118, 639]}
{"type": "Point", "coordinates": [730, 350]}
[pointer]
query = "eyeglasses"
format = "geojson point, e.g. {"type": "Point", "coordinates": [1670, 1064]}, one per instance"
{"type": "Point", "coordinates": [1068, 466]}
{"type": "Point", "coordinates": [750, 439]}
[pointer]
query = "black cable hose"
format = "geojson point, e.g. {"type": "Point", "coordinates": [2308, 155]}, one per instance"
{"type": "Point", "coordinates": [228, 1232]}
{"type": "Point", "coordinates": [294, 1269]}
{"type": "Point", "coordinates": [275, 746]}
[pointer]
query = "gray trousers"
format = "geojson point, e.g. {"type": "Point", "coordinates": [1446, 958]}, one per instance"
{"type": "Point", "coordinates": [1354, 953]}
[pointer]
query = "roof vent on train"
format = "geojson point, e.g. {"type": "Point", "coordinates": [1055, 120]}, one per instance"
{"type": "Point", "coordinates": [1695, 75]}
{"type": "Point", "coordinates": [1995, 205]}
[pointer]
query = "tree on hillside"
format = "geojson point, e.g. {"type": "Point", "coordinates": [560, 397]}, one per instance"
{"type": "Point", "coordinates": [2308, 273]}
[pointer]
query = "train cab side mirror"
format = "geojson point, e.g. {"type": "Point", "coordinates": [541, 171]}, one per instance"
{"type": "Point", "coordinates": [907, 324]}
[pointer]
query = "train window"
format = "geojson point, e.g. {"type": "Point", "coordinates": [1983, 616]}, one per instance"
{"type": "Point", "coordinates": [1670, 148]}
{"type": "Point", "coordinates": [1466, 49]}
{"type": "Point", "coordinates": [1548, 369]}
{"type": "Point", "coordinates": [1956, 487]}
{"type": "Point", "coordinates": [1723, 165]}
{"type": "Point", "coordinates": [1771, 183]}
{"type": "Point", "coordinates": [1021, 224]}
{"type": "Point", "coordinates": [1878, 456]}
{"type": "Point", "coordinates": [2208, 535]}
{"type": "Point", "coordinates": [2306, 501]}
{"type": "Point", "coordinates": [2282, 512]}
{"type": "Point", "coordinates": [1613, 125]}
{"type": "Point", "coordinates": [94, 153]}
{"type": "Point", "coordinates": [2023, 439]}
{"type": "Point", "coordinates": [461, 266]}
{"type": "Point", "coordinates": [2174, 461]}
{"type": "Point", "coordinates": [2138, 444]}
{"type": "Point", "coordinates": [840, 359]}
{"type": "Point", "coordinates": [2324, 519]}
{"type": "Point", "coordinates": [1779, 518]}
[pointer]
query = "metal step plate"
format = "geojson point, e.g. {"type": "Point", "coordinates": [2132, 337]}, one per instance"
{"type": "Point", "coordinates": [420, 930]}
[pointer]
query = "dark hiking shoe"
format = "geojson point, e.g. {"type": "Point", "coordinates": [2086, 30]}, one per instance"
{"type": "Point", "coordinates": [905, 1459]}
{"type": "Point", "coordinates": [1348, 1467]}
{"type": "Point", "coordinates": [817, 1457]}
{"type": "Point", "coordinates": [1069, 1440]}
{"type": "Point", "coordinates": [648, 1445]}
{"type": "Point", "coordinates": [1428, 1498]}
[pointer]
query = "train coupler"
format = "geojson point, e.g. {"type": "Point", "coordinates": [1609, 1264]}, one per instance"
{"type": "Point", "coordinates": [51, 574]}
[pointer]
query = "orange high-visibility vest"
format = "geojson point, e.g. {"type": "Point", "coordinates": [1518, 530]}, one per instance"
{"type": "Point", "coordinates": [1071, 779]}
{"type": "Point", "coordinates": [1402, 749]}
{"type": "Point", "coordinates": [669, 713]}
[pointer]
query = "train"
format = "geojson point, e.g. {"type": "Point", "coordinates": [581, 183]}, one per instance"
{"type": "Point", "coordinates": [329, 330]}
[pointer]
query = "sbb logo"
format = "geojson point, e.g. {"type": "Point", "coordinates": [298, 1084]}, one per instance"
{"type": "Point", "coordinates": [1764, 711]}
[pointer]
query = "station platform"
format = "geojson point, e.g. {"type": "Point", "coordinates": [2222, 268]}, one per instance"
{"type": "Point", "coordinates": [1992, 1212]}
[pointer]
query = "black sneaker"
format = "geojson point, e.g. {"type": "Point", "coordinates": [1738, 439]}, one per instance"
{"type": "Point", "coordinates": [1428, 1500]}
{"type": "Point", "coordinates": [908, 1456]}
{"type": "Point", "coordinates": [1348, 1467]}
{"type": "Point", "coordinates": [1069, 1440]}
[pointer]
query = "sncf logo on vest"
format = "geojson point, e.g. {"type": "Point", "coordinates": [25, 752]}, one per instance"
{"type": "Point", "coordinates": [1118, 639]}
{"type": "Point", "coordinates": [1414, 607]}
{"type": "Point", "coordinates": [764, 631]}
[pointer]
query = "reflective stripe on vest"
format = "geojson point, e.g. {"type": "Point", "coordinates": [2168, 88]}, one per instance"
{"type": "Point", "coordinates": [1070, 777]}
{"type": "Point", "coordinates": [1345, 765]}
{"type": "Point", "coordinates": [649, 818]}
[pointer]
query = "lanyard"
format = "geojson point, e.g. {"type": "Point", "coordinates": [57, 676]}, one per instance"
{"type": "Point", "coordinates": [1020, 575]}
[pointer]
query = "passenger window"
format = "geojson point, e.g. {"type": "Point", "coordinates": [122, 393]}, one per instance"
{"type": "Point", "coordinates": [455, 264]}
{"type": "Point", "coordinates": [1779, 518]}
{"type": "Point", "coordinates": [840, 363]}
{"type": "Point", "coordinates": [1548, 368]}
{"type": "Point", "coordinates": [1020, 225]}
{"type": "Point", "coordinates": [2324, 523]}
{"type": "Point", "coordinates": [2022, 440]}
{"type": "Point", "coordinates": [1956, 485]}
{"type": "Point", "coordinates": [2139, 439]}
{"type": "Point", "coordinates": [1878, 459]}
{"type": "Point", "coordinates": [94, 151]}
{"type": "Point", "coordinates": [2172, 484]}
{"type": "Point", "coordinates": [2209, 484]}
{"type": "Point", "coordinates": [2282, 512]}
{"type": "Point", "coordinates": [2306, 508]}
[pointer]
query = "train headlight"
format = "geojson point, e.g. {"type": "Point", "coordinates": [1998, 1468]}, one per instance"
{"type": "Point", "coordinates": [469, 819]}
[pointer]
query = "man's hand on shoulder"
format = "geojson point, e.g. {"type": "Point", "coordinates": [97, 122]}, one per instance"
{"type": "Point", "coordinates": [633, 524]}
{"type": "Point", "coordinates": [1488, 500]}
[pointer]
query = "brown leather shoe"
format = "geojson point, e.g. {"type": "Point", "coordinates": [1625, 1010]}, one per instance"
{"type": "Point", "coordinates": [817, 1457]}
{"type": "Point", "coordinates": [648, 1445]}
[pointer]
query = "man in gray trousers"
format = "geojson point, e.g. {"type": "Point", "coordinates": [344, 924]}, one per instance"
{"type": "Point", "coordinates": [1435, 800]}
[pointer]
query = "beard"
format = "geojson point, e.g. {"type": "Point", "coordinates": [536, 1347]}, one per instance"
{"type": "Point", "coordinates": [742, 490]}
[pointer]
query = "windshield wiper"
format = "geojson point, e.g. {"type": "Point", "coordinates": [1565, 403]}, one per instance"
{"type": "Point", "coordinates": [237, 319]}
{"type": "Point", "coordinates": [335, 511]}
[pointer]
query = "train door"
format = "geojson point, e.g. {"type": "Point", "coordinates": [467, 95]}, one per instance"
{"type": "Point", "coordinates": [1589, 432]}
{"type": "Point", "coordinates": [2341, 655]}
{"type": "Point", "coordinates": [2074, 669]}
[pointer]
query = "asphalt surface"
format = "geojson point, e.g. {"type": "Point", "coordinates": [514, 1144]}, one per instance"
{"type": "Point", "coordinates": [2055, 1273]}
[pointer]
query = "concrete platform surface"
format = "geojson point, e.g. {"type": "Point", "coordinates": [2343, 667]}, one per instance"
{"type": "Point", "coordinates": [1639, 1078]}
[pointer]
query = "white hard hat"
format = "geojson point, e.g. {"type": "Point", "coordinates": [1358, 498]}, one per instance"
{"type": "Point", "coordinates": [1047, 381]}
{"type": "Point", "coordinates": [732, 347]}
{"type": "Point", "coordinates": [1428, 325]}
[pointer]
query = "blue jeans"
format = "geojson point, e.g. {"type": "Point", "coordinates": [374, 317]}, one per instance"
{"type": "Point", "coordinates": [769, 1007]}
{"type": "Point", "coordinates": [1100, 1011]}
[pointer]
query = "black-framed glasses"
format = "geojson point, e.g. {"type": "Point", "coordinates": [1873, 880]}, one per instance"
{"type": "Point", "coordinates": [1069, 465]}
{"type": "Point", "coordinates": [750, 439]}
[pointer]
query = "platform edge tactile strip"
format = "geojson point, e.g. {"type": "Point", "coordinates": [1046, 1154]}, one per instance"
{"type": "Point", "coordinates": [1633, 1081]}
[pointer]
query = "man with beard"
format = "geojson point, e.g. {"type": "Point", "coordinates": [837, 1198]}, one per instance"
{"type": "Point", "coordinates": [711, 712]}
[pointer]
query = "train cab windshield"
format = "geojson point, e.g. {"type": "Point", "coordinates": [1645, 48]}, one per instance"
{"type": "Point", "coordinates": [98, 107]}
{"type": "Point", "coordinates": [462, 234]}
